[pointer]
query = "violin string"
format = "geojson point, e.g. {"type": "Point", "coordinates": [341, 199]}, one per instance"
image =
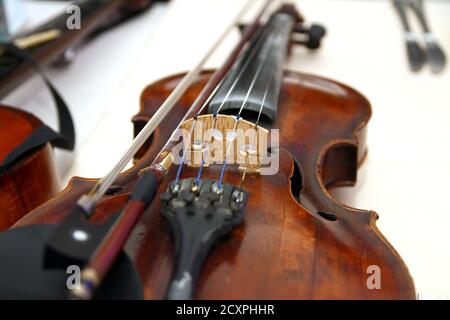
{"type": "Point", "coordinates": [259, 43]}
{"type": "Point", "coordinates": [213, 126]}
{"type": "Point", "coordinates": [183, 157]}
{"type": "Point", "coordinates": [222, 171]}
{"type": "Point", "coordinates": [255, 134]}
{"type": "Point", "coordinates": [241, 72]}
{"type": "Point", "coordinates": [238, 116]}
{"type": "Point", "coordinates": [262, 104]}
{"type": "Point", "coordinates": [195, 118]}
{"type": "Point", "coordinates": [238, 77]}
{"type": "Point", "coordinates": [188, 140]}
{"type": "Point", "coordinates": [205, 151]}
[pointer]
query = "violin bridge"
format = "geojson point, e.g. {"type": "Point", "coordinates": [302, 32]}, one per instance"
{"type": "Point", "coordinates": [212, 139]}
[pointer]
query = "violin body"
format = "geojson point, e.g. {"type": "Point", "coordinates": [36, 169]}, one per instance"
{"type": "Point", "coordinates": [30, 181]}
{"type": "Point", "coordinates": [296, 241]}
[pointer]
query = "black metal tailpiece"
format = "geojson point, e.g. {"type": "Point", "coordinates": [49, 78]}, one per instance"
{"type": "Point", "coordinates": [198, 214]}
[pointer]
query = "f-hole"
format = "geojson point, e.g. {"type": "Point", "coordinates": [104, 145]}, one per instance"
{"type": "Point", "coordinates": [296, 181]}
{"type": "Point", "coordinates": [327, 216]}
{"type": "Point", "coordinates": [138, 126]}
{"type": "Point", "coordinates": [339, 165]}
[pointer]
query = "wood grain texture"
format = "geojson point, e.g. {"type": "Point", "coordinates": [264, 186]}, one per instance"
{"type": "Point", "coordinates": [285, 248]}
{"type": "Point", "coordinates": [33, 179]}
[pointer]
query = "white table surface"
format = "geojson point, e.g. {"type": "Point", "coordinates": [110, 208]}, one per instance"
{"type": "Point", "coordinates": [405, 175]}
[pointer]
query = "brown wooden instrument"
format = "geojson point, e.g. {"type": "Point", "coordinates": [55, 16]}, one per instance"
{"type": "Point", "coordinates": [33, 180]}
{"type": "Point", "coordinates": [226, 230]}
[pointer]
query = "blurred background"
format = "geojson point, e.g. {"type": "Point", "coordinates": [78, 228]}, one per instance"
{"type": "Point", "coordinates": [404, 177]}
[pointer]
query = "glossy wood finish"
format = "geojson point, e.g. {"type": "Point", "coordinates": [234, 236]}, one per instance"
{"type": "Point", "coordinates": [285, 247]}
{"type": "Point", "coordinates": [33, 179]}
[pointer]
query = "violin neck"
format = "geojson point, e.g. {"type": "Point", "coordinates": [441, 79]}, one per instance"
{"type": "Point", "coordinates": [253, 85]}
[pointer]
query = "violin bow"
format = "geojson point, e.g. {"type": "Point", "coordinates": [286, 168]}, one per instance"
{"type": "Point", "coordinates": [145, 189]}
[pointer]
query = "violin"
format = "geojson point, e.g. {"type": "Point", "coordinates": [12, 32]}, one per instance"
{"type": "Point", "coordinates": [228, 197]}
{"type": "Point", "coordinates": [28, 175]}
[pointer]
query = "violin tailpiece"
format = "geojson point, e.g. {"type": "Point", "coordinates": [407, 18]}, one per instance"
{"type": "Point", "coordinates": [199, 213]}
